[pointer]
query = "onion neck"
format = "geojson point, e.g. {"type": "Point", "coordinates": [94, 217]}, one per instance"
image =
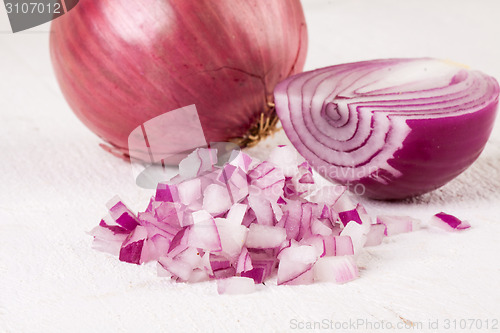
{"type": "Point", "coordinates": [264, 127]}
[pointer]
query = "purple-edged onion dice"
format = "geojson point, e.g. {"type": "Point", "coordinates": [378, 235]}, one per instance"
{"type": "Point", "coordinates": [392, 128]}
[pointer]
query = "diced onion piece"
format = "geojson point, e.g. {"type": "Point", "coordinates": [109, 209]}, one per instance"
{"type": "Point", "coordinates": [191, 256]}
{"type": "Point", "coordinates": [232, 236]}
{"type": "Point", "coordinates": [167, 192]}
{"type": "Point", "coordinates": [241, 160]}
{"type": "Point", "coordinates": [344, 203]}
{"type": "Point", "coordinates": [189, 191]}
{"type": "Point", "coordinates": [105, 240]}
{"type": "Point", "coordinates": [216, 199]}
{"type": "Point", "coordinates": [109, 236]}
{"type": "Point", "coordinates": [335, 269]}
{"type": "Point", "coordinates": [358, 234]}
{"type": "Point", "coordinates": [131, 249]}
{"type": "Point", "coordinates": [236, 285]}
{"type": "Point", "coordinates": [177, 268]}
{"type": "Point", "coordinates": [203, 233]}
{"type": "Point", "coordinates": [350, 215]}
{"type": "Point", "coordinates": [218, 262]}
{"type": "Point", "coordinates": [266, 180]}
{"type": "Point", "coordinates": [375, 235]}
{"type": "Point", "coordinates": [244, 262]}
{"type": "Point", "coordinates": [264, 236]}
{"type": "Point", "coordinates": [161, 271]}
{"type": "Point", "coordinates": [449, 222]}
{"type": "Point", "coordinates": [262, 209]}
{"type": "Point", "coordinates": [344, 245]}
{"type": "Point", "coordinates": [398, 224]}
{"type": "Point", "coordinates": [198, 275]}
{"type": "Point", "coordinates": [234, 179]}
{"type": "Point", "coordinates": [121, 214]}
{"type": "Point", "coordinates": [317, 242]}
{"type": "Point", "coordinates": [258, 274]}
{"type": "Point", "coordinates": [236, 214]}
{"type": "Point", "coordinates": [296, 264]}
{"type": "Point", "coordinates": [319, 228]}
{"type": "Point", "coordinates": [198, 162]}
{"type": "Point", "coordinates": [286, 158]}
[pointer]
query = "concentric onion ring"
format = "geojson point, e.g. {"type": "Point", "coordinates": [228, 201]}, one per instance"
{"type": "Point", "coordinates": [391, 128]}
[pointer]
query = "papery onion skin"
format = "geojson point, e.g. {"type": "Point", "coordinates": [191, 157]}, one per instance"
{"type": "Point", "coordinates": [121, 63]}
{"type": "Point", "coordinates": [421, 149]}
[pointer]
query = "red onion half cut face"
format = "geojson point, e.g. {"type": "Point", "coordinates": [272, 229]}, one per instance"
{"type": "Point", "coordinates": [391, 128]}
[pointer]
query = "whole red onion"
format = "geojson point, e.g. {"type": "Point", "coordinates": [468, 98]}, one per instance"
{"type": "Point", "coordinates": [121, 63]}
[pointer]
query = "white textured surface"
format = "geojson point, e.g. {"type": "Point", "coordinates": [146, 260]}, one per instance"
{"type": "Point", "coordinates": [55, 180]}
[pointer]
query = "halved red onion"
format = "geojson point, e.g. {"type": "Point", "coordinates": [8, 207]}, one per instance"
{"type": "Point", "coordinates": [449, 222]}
{"type": "Point", "coordinates": [392, 128]}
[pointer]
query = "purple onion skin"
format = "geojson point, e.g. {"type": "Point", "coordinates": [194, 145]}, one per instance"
{"type": "Point", "coordinates": [430, 159]}
{"type": "Point", "coordinates": [433, 152]}
{"type": "Point", "coordinates": [120, 63]}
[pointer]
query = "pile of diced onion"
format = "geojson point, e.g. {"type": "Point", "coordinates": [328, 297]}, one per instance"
{"type": "Point", "coordinates": [247, 221]}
